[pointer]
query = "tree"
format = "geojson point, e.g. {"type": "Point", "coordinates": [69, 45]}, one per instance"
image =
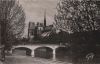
{"type": "Point", "coordinates": [12, 19]}
{"type": "Point", "coordinates": [77, 15]}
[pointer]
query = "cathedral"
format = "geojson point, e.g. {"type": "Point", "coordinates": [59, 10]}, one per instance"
{"type": "Point", "coordinates": [36, 30]}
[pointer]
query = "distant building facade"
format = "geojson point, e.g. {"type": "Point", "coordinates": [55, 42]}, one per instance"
{"type": "Point", "coordinates": [31, 28]}
{"type": "Point", "coordinates": [36, 30]}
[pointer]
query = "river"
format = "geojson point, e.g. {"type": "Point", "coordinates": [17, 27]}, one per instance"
{"type": "Point", "coordinates": [31, 60]}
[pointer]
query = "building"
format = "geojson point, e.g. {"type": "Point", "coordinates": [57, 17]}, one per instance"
{"type": "Point", "coordinates": [31, 28]}
{"type": "Point", "coordinates": [40, 28]}
{"type": "Point", "coordinates": [36, 30]}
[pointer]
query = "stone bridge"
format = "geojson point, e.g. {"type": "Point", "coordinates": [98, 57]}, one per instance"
{"type": "Point", "coordinates": [34, 47]}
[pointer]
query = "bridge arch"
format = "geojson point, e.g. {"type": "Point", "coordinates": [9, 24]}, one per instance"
{"type": "Point", "coordinates": [34, 48]}
{"type": "Point", "coordinates": [44, 52]}
{"type": "Point", "coordinates": [61, 52]}
{"type": "Point", "coordinates": [22, 50]}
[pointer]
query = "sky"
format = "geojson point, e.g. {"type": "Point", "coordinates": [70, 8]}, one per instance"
{"type": "Point", "coordinates": [34, 10]}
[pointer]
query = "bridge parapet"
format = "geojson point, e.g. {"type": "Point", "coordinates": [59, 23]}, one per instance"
{"type": "Point", "coordinates": [32, 47]}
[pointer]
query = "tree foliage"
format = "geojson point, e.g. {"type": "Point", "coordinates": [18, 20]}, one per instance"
{"type": "Point", "coordinates": [12, 18]}
{"type": "Point", "coordinates": [77, 15]}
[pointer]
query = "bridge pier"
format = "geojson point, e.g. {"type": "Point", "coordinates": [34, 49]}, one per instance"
{"type": "Point", "coordinates": [32, 53]}
{"type": "Point", "coordinates": [11, 51]}
{"type": "Point", "coordinates": [54, 54]}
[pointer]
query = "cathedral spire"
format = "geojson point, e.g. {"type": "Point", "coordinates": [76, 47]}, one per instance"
{"type": "Point", "coordinates": [45, 18]}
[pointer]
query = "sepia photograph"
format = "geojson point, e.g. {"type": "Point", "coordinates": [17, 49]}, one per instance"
{"type": "Point", "coordinates": [49, 31]}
